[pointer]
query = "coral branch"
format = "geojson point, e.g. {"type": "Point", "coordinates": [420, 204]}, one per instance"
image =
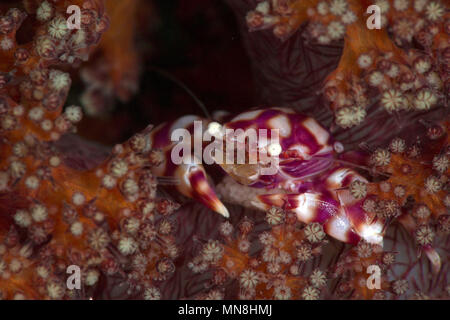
{"type": "Point", "coordinates": [376, 66]}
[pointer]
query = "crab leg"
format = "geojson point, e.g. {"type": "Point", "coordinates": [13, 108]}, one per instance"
{"type": "Point", "coordinates": [313, 207]}
{"type": "Point", "coordinates": [190, 176]}
{"type": "Point", "coordinates": [194, 184]}
{"type": "Point", "coordinates": [340, 214]}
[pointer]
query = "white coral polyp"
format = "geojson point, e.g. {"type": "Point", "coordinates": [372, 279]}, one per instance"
{"type": "Point", "coordinates": [58, 28]}
{"type": "Point", "coordinates": [59, 80]}
{"type": "Point", "coordinates": [73, 114]}
{"type": "Point", "coordinates": [425, 99]}
{"type": "Point", "coordinates": [44, 12]}
{"type": "Point", "coordinates": [434, 11]}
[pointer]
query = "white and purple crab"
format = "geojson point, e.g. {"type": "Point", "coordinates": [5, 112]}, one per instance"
{"type": "Point", "coordinates": [312, 183]}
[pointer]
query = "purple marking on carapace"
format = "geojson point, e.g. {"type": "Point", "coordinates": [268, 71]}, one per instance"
{"type": "Point", "coordinates": [162, 135]}
{"type": "Point", "coordinates": [303, 136]}
{"type": "Point", "coordinates": [261, 121]}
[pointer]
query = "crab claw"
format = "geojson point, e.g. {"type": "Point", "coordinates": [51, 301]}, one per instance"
{"type": "Point", "coordinates": [193, 183]}
{"type": "Point", "coordinates": [314, 207]}
{"type": "Point", "coordinates": [309, 207]}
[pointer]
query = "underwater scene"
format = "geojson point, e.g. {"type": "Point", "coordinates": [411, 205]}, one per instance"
{"type": "Point", "coordinates": [224, 150]}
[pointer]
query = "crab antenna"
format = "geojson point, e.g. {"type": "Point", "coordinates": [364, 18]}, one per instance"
{"type": "Point", "coordinates": [184, 87]}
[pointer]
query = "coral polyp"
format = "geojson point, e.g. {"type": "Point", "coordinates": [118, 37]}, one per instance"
{"type": "Point", "coordinates": [376, 66]}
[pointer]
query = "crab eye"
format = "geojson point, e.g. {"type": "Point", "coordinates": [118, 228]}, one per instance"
{"type": "Point", "coordinates": [274, 149]}
{"type": "Point", "coordinates": [338, 147]}
{"type": "Point", "coordinates": [214, 128]}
